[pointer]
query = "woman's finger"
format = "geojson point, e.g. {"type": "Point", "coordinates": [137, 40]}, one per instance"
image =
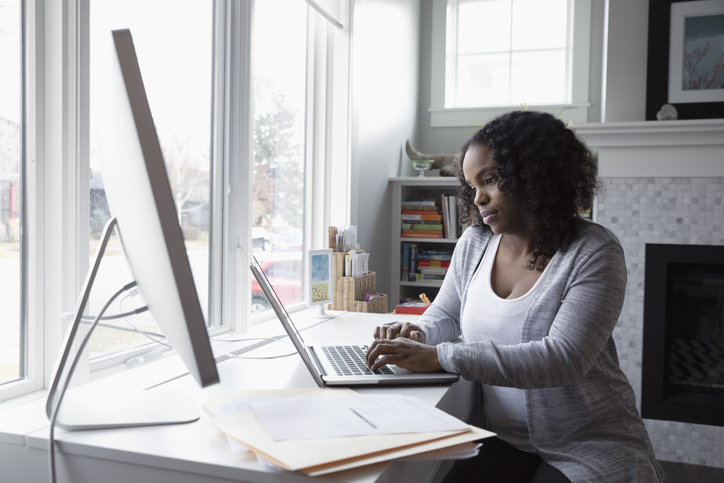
{"type": "Point", "coordinates": [417, 336]}
{"type": "Point", "coordinates": [391, 331]}
{"type": "Point", "coordinates": [373, 352]}
{"type": "Point", "coordinates": [384, 352]}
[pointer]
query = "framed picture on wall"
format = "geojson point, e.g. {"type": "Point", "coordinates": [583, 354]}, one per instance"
{"type": "Point", "coordinates": [686, 58]}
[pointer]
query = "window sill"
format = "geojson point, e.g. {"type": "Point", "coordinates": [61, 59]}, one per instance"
{"type": "Point", "coordinates": [23, 415]}
{"type": "Point", "coordinates": [477, 116]}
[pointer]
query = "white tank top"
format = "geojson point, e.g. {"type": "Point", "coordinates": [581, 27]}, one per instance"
{"type": "Point", "coordinates": [489, 317]}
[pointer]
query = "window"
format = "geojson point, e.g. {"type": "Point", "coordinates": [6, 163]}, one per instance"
{"type": "Point", "coordinates": [224, 132]}
{"type": "Point", "coordinates": [490, 56]}
{"type": "Point", "coordinates": [12, 255]}
{"type": "Point", "coordinates": [280, 100]}
{"type": "Point", "coordinates": [507, 52]}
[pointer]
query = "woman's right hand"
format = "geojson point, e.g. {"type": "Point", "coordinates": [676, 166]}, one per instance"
{"type": "Point", "coordinates": [400, 329]}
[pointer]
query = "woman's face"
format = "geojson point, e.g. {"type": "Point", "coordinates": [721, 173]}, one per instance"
{"type": "Point", "coordinates": [497, 211]}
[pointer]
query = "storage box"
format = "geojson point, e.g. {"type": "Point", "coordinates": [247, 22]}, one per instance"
{"type": "Point", "coordinates": [376, 306]}
{"type": "Point", "coordinates": [350, 292]}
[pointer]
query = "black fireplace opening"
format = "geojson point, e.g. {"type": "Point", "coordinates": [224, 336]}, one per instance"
{"type": "Point", "coordinates": [683, 353]}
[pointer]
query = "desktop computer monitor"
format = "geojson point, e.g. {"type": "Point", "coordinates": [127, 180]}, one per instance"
{"type": "Point", "coordinates": [140, 200]}
{"type": "Point", "coordinates": [139, 197]}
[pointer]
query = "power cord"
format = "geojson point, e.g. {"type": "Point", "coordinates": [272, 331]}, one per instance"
{"type": "Point", "coordinates": [234, 356]}
{"type": "Point", "coordinates": [71, 370]}
{"type": "Point", "coordinates": [148, 335]}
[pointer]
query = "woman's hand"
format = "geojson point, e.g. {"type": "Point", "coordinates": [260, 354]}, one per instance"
{"type": "Point", "coordinates": [402, 344]}
{"type": "Point", "coordinates": [400, 329]}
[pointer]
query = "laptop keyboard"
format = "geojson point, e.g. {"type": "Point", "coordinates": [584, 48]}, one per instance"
{"type": "Point", "coordinates": [349, 360]}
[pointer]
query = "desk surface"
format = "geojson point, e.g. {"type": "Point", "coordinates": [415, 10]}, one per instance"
{"type": "Point", "coordinates": [197, 452]}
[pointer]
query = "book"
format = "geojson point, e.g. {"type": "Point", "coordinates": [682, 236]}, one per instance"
{"type": "Point", "coordinates": [419, 203]}
{"type": "Point", "coordinates": [452, 216]}
{"type": "Point", "coordinates": [431, 263]}
{"type": "Point", "coordinates": [434, 255]}
{"type": "Point", "coordinates": [418, 208]}
{"type": "Point", "coordinates": [421, 225]}
{"type": "Point", "coordinates": [412, 263]}
{"type": "Point", "coordinates": [425, 276]}
{"type": "Point", "coordinates": [421, 234]}
{"type": "Point", "coordinates": [420, 212]}
{"type": "Point", "coordinates": [416, 217]}
{"type": "Point", "coordinates": [432, 270]}
{"type": "Point", "coordinates": [445, 218]}
{"type": "Point", "coordinates": [405, 262]}
{"type": "Point", "coordinates": [417, 308]}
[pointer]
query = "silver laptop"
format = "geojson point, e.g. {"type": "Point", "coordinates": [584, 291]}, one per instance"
{"type": "Point", "coordinates": [343, 364]}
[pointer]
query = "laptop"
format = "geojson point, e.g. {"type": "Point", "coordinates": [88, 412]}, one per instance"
{"type": "Point", "coordinates": [341, 364]}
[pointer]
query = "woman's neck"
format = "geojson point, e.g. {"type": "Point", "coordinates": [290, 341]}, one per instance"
{"type": "Point", "coordinates": [519, 245]}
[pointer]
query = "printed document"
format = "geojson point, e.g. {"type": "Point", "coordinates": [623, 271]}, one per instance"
{"type": "Point", "coordinates": [309, 418]}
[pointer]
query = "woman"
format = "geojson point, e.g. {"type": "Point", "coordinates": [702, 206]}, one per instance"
{"type": "Point", "coordinates": [535, 291]}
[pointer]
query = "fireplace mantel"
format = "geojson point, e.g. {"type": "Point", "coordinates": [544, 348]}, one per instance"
{"type": "Point", "coordinates": [657, 149]}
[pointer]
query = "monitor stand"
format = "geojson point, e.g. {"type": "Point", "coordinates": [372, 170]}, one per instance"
{"type": "Point", "coordinates": [82, 408]}
{"type": "Point", "coordinates": [321, 312]}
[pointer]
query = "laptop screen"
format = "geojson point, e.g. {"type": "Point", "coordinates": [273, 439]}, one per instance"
{"type": "Point", "coordinates": [286, 321]}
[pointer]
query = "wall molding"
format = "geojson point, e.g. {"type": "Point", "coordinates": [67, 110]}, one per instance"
{"type": "Point", "coordinates": [657, 149]}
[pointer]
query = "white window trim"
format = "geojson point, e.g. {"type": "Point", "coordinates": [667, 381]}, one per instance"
{"type": "Point", "coordinates": [33, 239]}
{"type": "Point", "coordinates": [576, 111]}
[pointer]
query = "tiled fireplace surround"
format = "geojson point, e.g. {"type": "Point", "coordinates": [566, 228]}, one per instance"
{"type": "Point", "coordinates": [663, 183]}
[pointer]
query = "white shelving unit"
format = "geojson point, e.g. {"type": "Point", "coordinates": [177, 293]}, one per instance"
{"type": "Point", "coordinates": [407, 189]}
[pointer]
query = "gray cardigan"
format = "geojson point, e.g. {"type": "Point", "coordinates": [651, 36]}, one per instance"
{"type": "Point", "coordinates": [581, 409]}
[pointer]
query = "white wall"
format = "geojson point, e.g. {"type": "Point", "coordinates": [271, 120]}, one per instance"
{"type": "Point", "coordinates": [385, 73]}
{"type": "Point", "coordinates": [625, 52]}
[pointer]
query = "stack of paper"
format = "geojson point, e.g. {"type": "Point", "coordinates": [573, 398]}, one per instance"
{"type": "Point", "coordinates": [319, 431]}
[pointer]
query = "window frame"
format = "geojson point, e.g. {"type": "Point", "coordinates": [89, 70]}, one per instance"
{"type": "Point", "coordinates": [31, 362]}
{"type": "Point", "coordinates": [56, 221]}
{"type": "Point", "coordinates": [576, 110]}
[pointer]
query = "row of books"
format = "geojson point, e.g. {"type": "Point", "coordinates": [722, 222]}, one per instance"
{"type": "Point", "coordinates": [421, 219]}
{"type": "Point", "coordinates": [430, 218]}
{"type": "Point", "coordinates": [419, 263]}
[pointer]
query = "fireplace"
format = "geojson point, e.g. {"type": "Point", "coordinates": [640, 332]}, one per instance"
{"type": "Point", "coordinates": [683, 353]}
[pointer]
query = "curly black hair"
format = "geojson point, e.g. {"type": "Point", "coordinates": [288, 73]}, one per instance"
{"type": "Point", "coordinates": [549, 172]}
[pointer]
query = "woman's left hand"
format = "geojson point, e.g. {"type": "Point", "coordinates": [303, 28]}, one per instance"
{"type": "Point", "coordinates": [405, 353]}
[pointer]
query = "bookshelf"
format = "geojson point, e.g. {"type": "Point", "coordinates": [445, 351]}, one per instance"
{"type": "Point", "coordinates": [409, 189]}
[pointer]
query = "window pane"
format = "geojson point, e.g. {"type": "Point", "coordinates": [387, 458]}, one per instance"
{"type": "Point", "coordinates": [539, 24]}
{"type": "Point", "coordinates": [173, 40]}
{"type": "Point", "coordinates": [483, 80]}
{"type": "Point", "coordinates": [538, 77]}
{"type": "Point", "coordinates": [484, 26]}
{"type": "Point", "coordinates": [11, 257]}
{"type": "Point", "coordinates": [279, 146]}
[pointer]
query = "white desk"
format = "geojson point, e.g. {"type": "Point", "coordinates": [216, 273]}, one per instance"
{"type": "Point", "coordinates": [198, 452]}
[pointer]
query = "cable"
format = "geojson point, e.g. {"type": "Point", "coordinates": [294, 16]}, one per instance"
{"type": "Point", "coordinates": [143, 332]}
{"type": "Point", "coordinates": [273, 339]}
{"type": "Point", "coordinates": [71, 370]}
{"type": "Point", "coordinates": [234, 356]}
{"type": "Point", "coordinates": [137, 311]}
